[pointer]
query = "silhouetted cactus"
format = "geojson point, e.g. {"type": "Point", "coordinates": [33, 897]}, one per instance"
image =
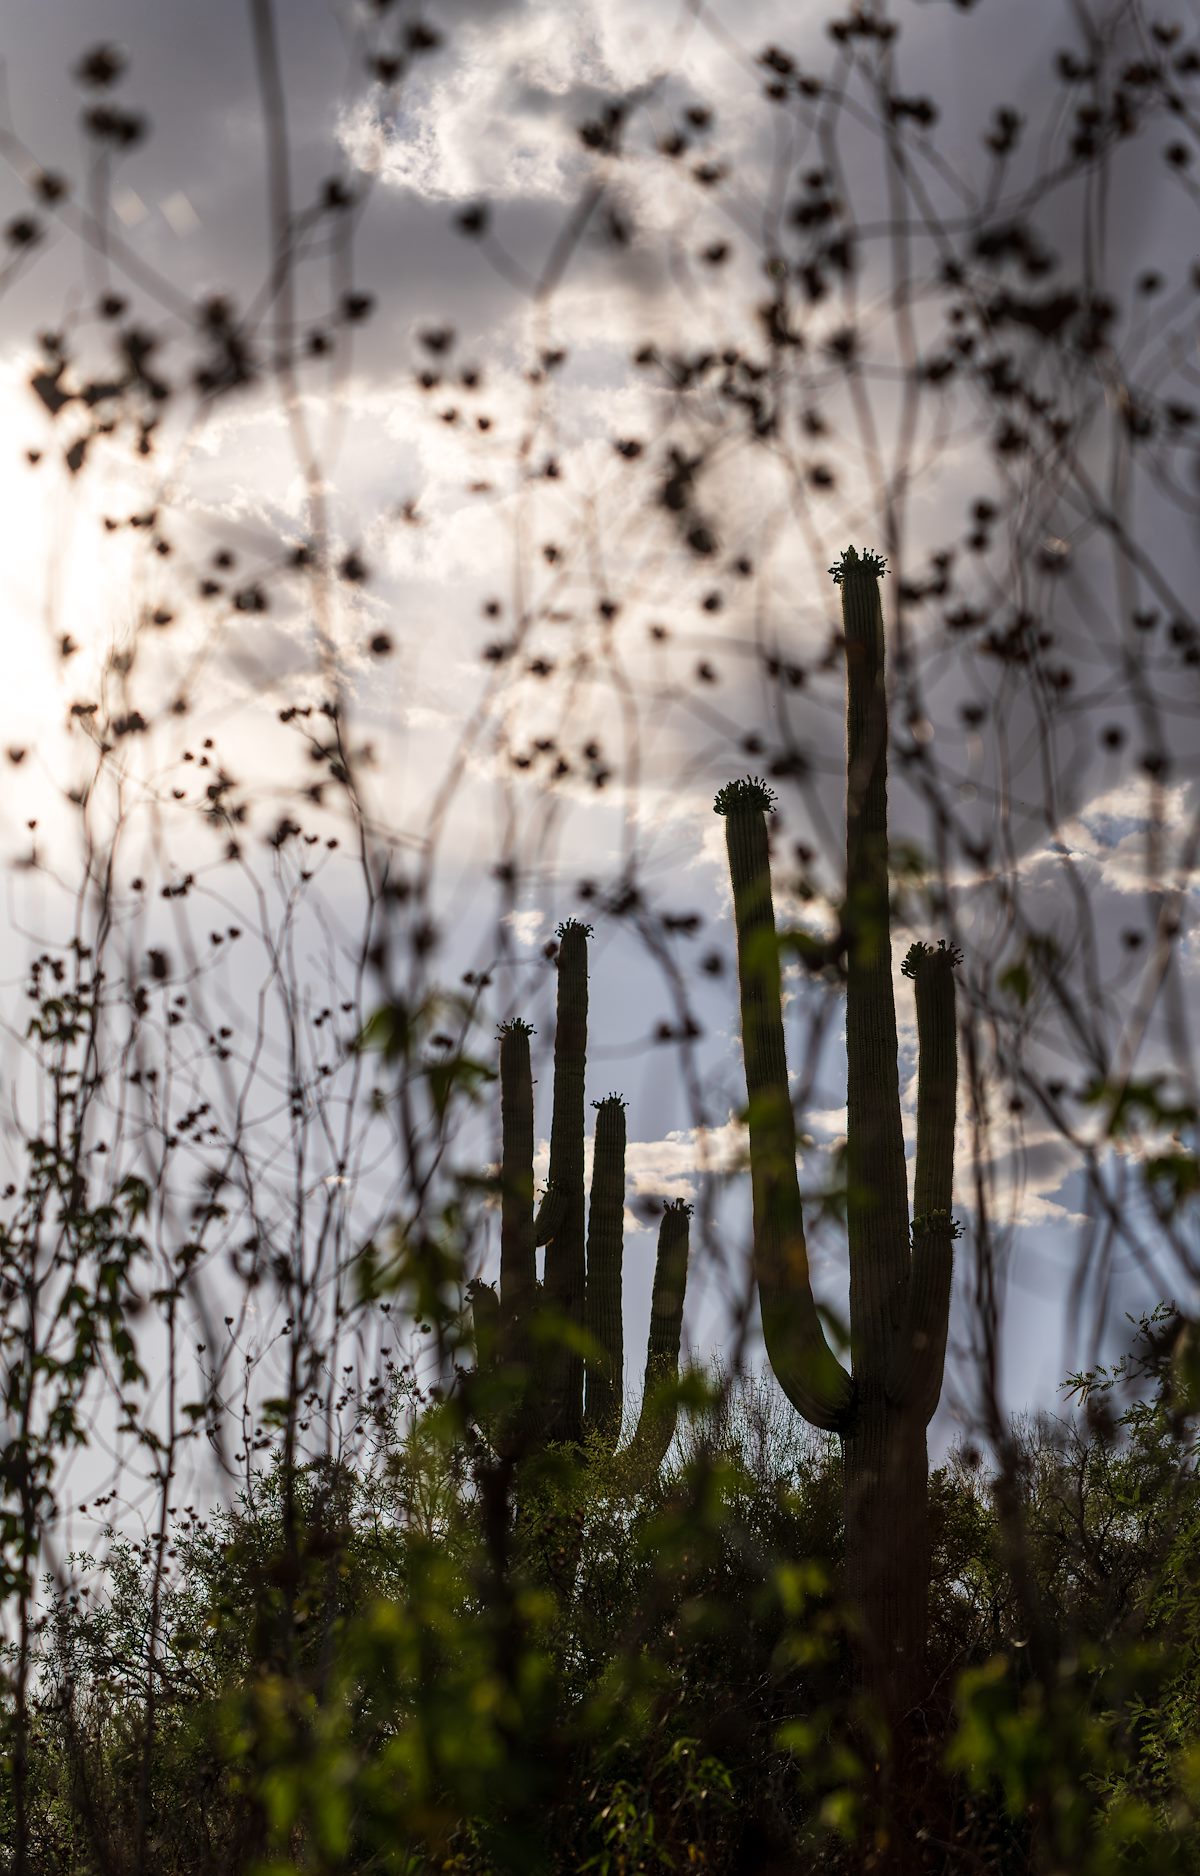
{"type": "Point", "coordinates": [656, 1423]}
{"type": "Point", "coordinates": [504, 1337]}
{"type": "Point", "coordinates": [560, 1218]}
{"type": "Point", "coordinates": [605, 1248]}
{"type": "Point", "coordinates": [546, 1393]}
{"type": "Point", "coordinates": [899, 1284]}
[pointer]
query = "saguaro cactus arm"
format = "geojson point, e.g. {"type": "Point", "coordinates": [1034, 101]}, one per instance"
{"type": "Point", "coordinates": [503, 1325]}
{"type": "Point", "coordinates": [915, 1378]}
{"type": "Point", "coordinates": [807, 1369]}
{"type": "Point", "coordinates": [605, 1244]}
{"type": "Point", "coordinates": [550, 1214]}
{"type": "Point", "coordinates": [518, 1262]}
{"type": "Point", "coordinates": [876, 1174]}
{"type": "Point", "coordinates": [563, 1230]}
{"type": "Point", "coordinates": [660, 1408]}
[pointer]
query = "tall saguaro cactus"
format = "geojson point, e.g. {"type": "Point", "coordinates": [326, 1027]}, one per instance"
{"type": "Point", "coordinates": [899, 1277]}
{"type": "Point", "coordinates": [560, 1219]}
{"type": "Point", "coordinates": [552, 1396]}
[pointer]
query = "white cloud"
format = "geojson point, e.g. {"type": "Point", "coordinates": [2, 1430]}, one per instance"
{"type": "Point", "coordinates": [129, 207]}
{"type": "Point", "coordinates": [180, 214]}
{"type": "Point", "coordinates": [497, 120]}
{"type": "Point", "coordinates": [525, 925]}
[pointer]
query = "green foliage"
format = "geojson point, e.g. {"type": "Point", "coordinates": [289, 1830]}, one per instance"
{"type": "Point", "coordinates": [1095, 1747]}
{"type": "Point", "coordinates": [628, 1681]}
{"type": "Point", "coordinates": [1031, 970]}
{"type": "Point", "coordinates": [1130, 1101]}
{"type": "Point", "coordinates": [692, 1793]}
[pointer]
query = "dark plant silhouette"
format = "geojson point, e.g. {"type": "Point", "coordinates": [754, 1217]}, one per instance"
{"type": "Point", "coordinates": [899, 1278]}
{"type": "Point", "coordinates": [266, 1603]}
{"type": "Point", "coordinates": [555, 1350]}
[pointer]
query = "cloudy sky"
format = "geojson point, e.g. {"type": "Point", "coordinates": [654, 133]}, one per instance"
{"type": "Point", "coordinates": [537, 655]}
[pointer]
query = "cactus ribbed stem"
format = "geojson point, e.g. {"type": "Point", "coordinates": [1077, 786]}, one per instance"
{"type": "Point", "coordinates": [899, 1300]}
{"type": "Point", "coordinates": [932, 974]}
{"type": "Point", "coordinates": [807, 1369]}
{"type": "Point", "coordinates": [656, 1422]}
{"type": "Point", "coordinates": [518, 1260]}
{"type": "Point", "coordinates": [485, 1324]}
{"type": "Point", "coordinates": [565, 1249]}
{"type": "Point", "coordinates": [916, 1371]}
{"type": "Point", "coordinates": [550, 1214]}
{"type": "Point", "coordinates": [514, 1430]}
{"type": "Point", "coordinates": [876, 1175]}
{"type": "Point", "coordinates": [605, 1244]}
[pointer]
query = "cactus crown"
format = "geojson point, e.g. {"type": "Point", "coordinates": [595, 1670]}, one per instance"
{"type": "Point", "coordinates": [932, 1222]}
{"type": "Point", "coordinates": [678, 1205]}
{"type": "Point", "coordinates": [570, 925]}
{"type": "Point", "coordinates": [744, 795]}
{"type": "Point", "coordinates": [516, 1026]}
{"type": "Point", "coordinates": [851, 562]}
{"type": "Point", "coordinates": [943, 954]}
{"type": "Point", "coordinates": [611, 1100]}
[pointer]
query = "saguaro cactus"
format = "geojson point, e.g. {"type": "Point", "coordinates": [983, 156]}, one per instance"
{"type": "Point", "coordinates": [656, 1424]}
{"type": "Point", "coordinates": [505, 1338]}
{"type": "Point", "coordinates": [605, 1249]}
{"type": "Point", "coordinates": [551, 1395]}
{"type": "Point", "coordinates": [560, 1218]}
{"type": "Point", "coordinates": [899, 1279]}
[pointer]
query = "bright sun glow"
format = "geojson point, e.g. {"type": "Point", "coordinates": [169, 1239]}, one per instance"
{"type": "Point", "coordinates": [61, 575]}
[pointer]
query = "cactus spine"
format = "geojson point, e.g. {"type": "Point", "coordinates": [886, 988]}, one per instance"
{"type": "Point", "coordinates": [899, 1289]}
{"type": "Point", "coordinates": [555, 1398]}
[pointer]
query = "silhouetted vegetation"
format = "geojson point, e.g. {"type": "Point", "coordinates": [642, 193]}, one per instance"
{"type": "Point", "coordinates": [656, 1681]}
{"type": "Point", "coordinates": [405, 576]}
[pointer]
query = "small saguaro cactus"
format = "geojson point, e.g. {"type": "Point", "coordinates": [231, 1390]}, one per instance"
{"type": "Point", "coordinates": [656, 1424]}
{"type": "Point", "coordinates": [605, 1249]}
{"type": "Point", "coordinates": [553, 1396]}
{"type": "Point", "coordinates": [899, 1279]}
{"type": "Point", "coordinates": [560, 1218]}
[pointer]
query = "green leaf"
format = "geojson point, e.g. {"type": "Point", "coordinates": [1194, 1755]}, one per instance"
{"type": "Point", "coordinates": [1017, 982]}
